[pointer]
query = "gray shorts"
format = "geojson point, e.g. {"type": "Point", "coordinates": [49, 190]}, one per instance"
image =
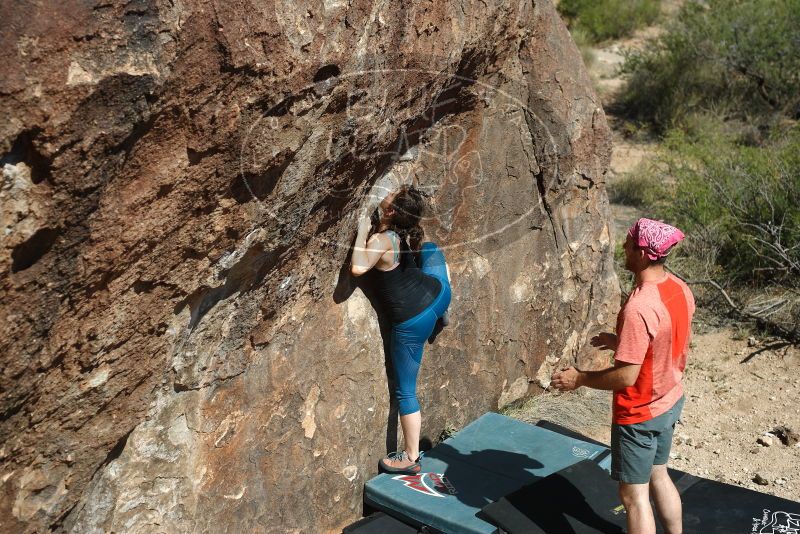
{"type": "Point", "coordinates": [636, 448]}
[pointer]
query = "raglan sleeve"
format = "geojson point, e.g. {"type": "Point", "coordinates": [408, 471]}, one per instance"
{"type": "Point", "coordinates": [633, 338]}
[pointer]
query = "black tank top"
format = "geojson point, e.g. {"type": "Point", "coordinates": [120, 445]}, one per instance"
{"type": "Point", "coordinates": [405, 291]}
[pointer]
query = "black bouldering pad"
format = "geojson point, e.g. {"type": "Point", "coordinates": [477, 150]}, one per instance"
{"type": "Point", "coordinates": [579, 499]}
{"type": "Point", "coordinates": [582, 499]}
{"type": "Point", "coordinates": [705, 507]}
{"type": "Point", "coordinates": [379, 523]}
{"type": "Point", "coordinates": [711, 507]}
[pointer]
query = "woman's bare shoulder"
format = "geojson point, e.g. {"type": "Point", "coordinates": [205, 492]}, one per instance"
{"type": "Point", "coordinates": [382, 239]}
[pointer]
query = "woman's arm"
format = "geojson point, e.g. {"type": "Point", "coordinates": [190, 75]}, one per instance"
{"type": "Point", "coordinates": [366, 255]}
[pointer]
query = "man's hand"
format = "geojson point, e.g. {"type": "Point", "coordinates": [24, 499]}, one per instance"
{"type": "Point", "coordinates": [605, 341]}
{"type": "Point", "coordinates": [566, 380]}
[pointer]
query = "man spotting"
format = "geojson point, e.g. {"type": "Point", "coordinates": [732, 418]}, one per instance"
{"type": "Point", "coordinates": [650, 346]}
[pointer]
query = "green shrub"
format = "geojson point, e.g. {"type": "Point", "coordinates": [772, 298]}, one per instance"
{"type": "Point", "coordinates": [608, 19]}
{"type": "Point", "coordinates": [731, 58]}
{"type": "Point", "coordinates": [584, 43]}
{"type": "Point", "coordinates": [640, 188]}
{"type": "Point", "coordinates": [739, 206]}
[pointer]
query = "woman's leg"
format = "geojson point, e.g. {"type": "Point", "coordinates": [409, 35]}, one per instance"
{"type": "Point", "coordinates": [411, 423]}
{"type": "Point", "coordinates": [407, 343]}
{"type": "Point", "coordinates": [406, 355]}
{"type": "Point", "coordinates": [433, 262]}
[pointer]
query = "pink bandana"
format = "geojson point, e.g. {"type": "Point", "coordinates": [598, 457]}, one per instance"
{"type": "Point", "coordinates": [656, 237]}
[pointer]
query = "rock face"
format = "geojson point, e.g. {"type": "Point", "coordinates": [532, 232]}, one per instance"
{"type": "Point", "coordinates": [183, 349]}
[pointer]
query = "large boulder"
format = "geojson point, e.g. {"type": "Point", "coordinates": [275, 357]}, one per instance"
{"type": "Point", "coordinates": [183, 348]}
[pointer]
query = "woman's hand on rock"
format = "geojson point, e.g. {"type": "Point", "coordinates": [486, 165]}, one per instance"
{"type": "Point", "coordinates": [364, 224]}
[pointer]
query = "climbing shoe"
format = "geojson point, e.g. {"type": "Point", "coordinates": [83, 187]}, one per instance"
{"type": "Point", "coordinates": [441, 322]}
{"type": "Point", "coordinates": [399, 462]}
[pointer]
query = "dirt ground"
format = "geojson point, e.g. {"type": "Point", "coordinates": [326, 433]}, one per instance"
{"type": "Point", "coordinates": [737, 391]}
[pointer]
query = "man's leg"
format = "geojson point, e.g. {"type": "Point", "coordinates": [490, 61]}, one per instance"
{"type": "Point", "coordinates": [633, 448]}
{"type": "Point", "coordinates": [636, 499]}
{"type": "Point", "coordinates": [667, 500]}
{"type": "Point", "coordinates": [665, 494]}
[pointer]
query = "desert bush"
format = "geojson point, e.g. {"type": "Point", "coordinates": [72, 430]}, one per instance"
{"type": "Point", "coordinates": [641, 188]}
{"type": "Point", "coordinates": [739, 206]}
{"type": "Point", "coordinates": [584, 42]}
{"type": "Point", "coordinates": [608, 19]}
{"type": "Point", "coordinates": [731, 58]}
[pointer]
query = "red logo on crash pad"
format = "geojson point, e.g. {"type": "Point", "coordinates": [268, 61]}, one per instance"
{"type": "Point", "coordinates": [432, 484]}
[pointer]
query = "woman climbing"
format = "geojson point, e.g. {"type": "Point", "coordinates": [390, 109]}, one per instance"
{"type": "Point", "coordinates": [413, 288]}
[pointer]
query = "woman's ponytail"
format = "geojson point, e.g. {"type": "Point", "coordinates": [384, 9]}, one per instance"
{"type": "Point", "coordinates": [415, 237]}
{"type": "Point", "coordinates": [409, 206]}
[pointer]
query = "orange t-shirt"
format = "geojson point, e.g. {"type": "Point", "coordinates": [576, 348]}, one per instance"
{"type": "Point", "coordinates": [653, 329]}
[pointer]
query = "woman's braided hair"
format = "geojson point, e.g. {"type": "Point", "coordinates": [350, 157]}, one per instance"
{"type": "Point", "coordinates": [409, 206]}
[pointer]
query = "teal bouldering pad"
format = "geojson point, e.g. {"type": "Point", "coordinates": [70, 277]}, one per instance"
{"type": "Point", "coordinates": [491, 457]}
{"type": "Point", "coordinates": [546, 478]}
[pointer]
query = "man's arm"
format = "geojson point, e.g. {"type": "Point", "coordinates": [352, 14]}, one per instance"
{"type": "Point", "coordinates": [631, 348]}
{"type": "Point", "coordinates": [620, 376]}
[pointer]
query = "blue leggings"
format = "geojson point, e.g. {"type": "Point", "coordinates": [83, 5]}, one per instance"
{"type": "Point", "coordinates": [409, 337]}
